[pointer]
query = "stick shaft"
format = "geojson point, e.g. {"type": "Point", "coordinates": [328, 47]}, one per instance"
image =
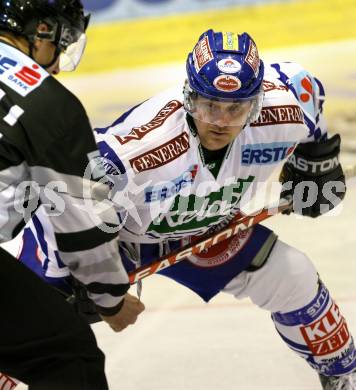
{"type": "Point", "coordinates": [214, 238]}
{"type": "Point", "coordinates": [206, 242]}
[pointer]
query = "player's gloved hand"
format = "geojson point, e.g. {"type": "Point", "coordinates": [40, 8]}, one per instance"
{"type": "Point", "coordinates": [131, 308]}
{"type": "Point", "coordinates": [314, 177]}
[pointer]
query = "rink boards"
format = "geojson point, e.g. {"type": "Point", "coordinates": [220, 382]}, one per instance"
{"type": "Point", "coordinates": [132, 60]}
{"type": "Point", "coordinates": [136, 43]}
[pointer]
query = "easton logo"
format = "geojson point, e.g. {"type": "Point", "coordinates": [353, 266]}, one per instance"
{"type": "Point", "coordinates": [162, 155]}
{"type": "Point", "coordinates": [314, 167]}
{"type": "Point", "coordinates": [279, 115]}
{"type": "Point", "coordinates": [202, 53]}
{"type": "Point", "coordinates": [252, 58]}
{"type": "Point", "coordinates": [328, 334]}
{"type": "Point", "coordinates": [138, 133]}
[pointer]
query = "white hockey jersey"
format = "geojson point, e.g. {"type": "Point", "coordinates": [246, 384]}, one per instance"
{"type": "Point", "coordinates": [166, 188]}
{"type": "Point", "coordinates": [165, 193]}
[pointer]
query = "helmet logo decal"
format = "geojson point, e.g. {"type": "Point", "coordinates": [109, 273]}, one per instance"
{"type": "Point", "coordinates": [202, 53]}
{"type": "Point", "coordinates": [230, 41]}
{"type": "Point", "coordinates": [229, 65]}
{"type": "Point", "coordinates": [227, 83]}
{"type": "Point", "coordinates": [252, 58]}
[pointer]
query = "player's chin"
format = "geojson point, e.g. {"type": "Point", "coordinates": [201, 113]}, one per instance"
{"type": "Point", "coordinates": [218, 142]}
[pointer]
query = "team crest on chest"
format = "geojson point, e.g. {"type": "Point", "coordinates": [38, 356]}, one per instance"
{"type": "Point", "coordinates": [220, 253]}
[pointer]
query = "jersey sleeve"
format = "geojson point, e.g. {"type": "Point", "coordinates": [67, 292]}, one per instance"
{"type": "Point", "coordinates": [310, 94]}
{"type": "Point", "coordinates": [48, 154]}
{"type": "Point", "coordinates": [13, 194]}
{"type": "Point", "coordinates": [52, 145]}
{"type": "Point", "coordinates": [87, 230]}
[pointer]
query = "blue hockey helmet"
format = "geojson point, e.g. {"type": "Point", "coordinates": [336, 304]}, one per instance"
{"type": "Point", "coordinates": [226, 67]}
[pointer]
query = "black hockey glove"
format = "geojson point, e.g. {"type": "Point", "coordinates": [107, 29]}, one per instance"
{"type": "Point", "coordinates": [314, 177]}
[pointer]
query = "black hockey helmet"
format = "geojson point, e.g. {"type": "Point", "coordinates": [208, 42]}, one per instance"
{"type": "Point", "coordinates": [65, 18]}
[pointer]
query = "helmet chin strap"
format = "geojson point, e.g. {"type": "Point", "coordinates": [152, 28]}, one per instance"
{"type": "Point", "coordinates": [57, 53]}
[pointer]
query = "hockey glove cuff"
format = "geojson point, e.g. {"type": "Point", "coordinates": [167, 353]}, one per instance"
{"type": "Point", "coordinates": [314, 177]}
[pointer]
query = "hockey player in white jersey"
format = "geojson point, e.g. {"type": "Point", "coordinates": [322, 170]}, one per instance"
{"type": "Point", "coordinates": [184, 161]}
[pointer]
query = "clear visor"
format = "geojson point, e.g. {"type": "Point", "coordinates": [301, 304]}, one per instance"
{"type": "Point", "coordinates": [72, 53]}
{"type": "Point", "coordinates": [220, 113]}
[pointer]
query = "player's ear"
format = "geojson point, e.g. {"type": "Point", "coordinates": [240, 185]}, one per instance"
{"type": "Point", "coordinates": [42, 29]}
{"type": "Point", "coordinates": [43, 34]}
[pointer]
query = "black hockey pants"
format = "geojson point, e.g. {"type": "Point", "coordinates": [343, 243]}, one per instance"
{"type": "Point", "coordinates": [43, 342]}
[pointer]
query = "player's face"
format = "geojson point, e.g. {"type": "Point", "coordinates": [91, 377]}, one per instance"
{"type": "Point", "coordinates": [219, 123]}
{"type": "Point", "coordinates": [44, 52]}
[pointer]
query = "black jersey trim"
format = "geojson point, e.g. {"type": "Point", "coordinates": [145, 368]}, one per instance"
{"type": "Point", "coordinates": [84, 240]}
{"type": "Point", "coordinates": [115, 290]}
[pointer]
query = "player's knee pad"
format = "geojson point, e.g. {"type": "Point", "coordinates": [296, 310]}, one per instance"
{"type": "Point", "coordinates": [286, 282]}
{"type": "Point", "coordinates": [319, 333]}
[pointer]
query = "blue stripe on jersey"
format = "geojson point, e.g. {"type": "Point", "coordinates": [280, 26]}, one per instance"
{"type": "Point", "coordinates": [311, 127]}
{"type": "Point", "coordinates": [40, 234]}
{"type": "Point", "coordinates": [103, 130]}
{"type": "Point", "coordinates": [321, 89]}
{"type": "Point", "coordinates": [304, 349]}
{"type": "Point", "coordinates": [110, 156]}
{"type": "Point", "coordinates": [29, 258]}
{"type": "Point", "coordinates": [114, 168]}
{"type": "Point", "coordinates": [59, 261]}
{"type": "Point", "coordinates": [41, 239]}
{"type": "Point", "coordinates": [321, 95]}
{"type": "Point", "coordinates": [284, 78]}
{"type": "Point", "coordinates": [306, 314]}
{"type": "Point", "coordinates": [313, 131]}
{"type": "Point", "coordinates": [28, 255]}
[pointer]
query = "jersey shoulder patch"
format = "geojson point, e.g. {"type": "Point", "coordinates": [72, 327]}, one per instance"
{"type": "Point", "coordinates": [303, 85]}
{"type": "Point", "coordinates": [148, 119]}
{"type": "Point", "coordinates": [19, 72]}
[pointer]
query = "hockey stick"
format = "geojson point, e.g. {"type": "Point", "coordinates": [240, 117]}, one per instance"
{"type": "Point", "coordinates": [207, 241]}
{"type": "Point", "coordinates": [198, 246]}
{"type": "Point", "coordinates": [163, 262]}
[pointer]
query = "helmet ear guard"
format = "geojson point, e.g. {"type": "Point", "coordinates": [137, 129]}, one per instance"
{"type": "Point", "coordinates": [188, 95]}
{"type": "Point", "coordinates": [256, 107]}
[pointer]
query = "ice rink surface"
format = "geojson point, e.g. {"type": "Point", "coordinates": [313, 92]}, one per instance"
{"type": "Point", "coordinates": [181, 343]}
